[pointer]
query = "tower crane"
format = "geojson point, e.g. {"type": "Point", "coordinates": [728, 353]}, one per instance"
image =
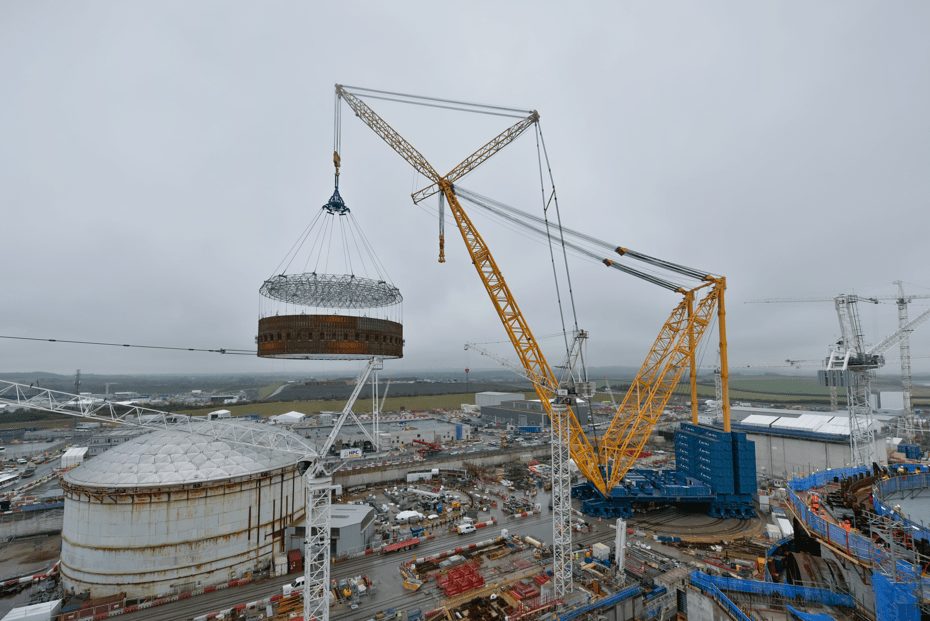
{"type": "Point", "coordinates": [671, 354]}
{"type": "Point", "coordinates": [852, 365]}
{"type": "Point", "coordinates": [311, 459]}
{"type": "Point", "coordinates": [902, 301]}
{"type": "Point", "coordinates": [907, 384]}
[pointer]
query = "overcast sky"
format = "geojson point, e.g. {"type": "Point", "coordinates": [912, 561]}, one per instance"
{"type": "Point", "coordinates": [158, 159]}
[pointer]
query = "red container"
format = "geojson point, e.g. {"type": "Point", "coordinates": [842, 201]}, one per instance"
{"type": "Point", "coordinates": [295, 561]}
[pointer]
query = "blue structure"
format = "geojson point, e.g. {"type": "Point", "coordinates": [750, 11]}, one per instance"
{"type": "Point", "coordinates": [714, 468]}
{"type": "Point", "coordinates": [911, 451]}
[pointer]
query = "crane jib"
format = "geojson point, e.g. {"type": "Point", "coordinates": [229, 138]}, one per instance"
{"type": "Point", "coordinates": [671, 354]}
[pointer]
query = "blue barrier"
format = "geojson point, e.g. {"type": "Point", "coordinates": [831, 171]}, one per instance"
{"type": "Point", "coordinates": [774, 547]}
{"type": "Point", "coordinates": [698, 580]}
{"type": "Point", "coordinates": [757, 587]}
{"type": "Point", "coordinates": [899, 484]}
{"type": "Point", "coordinates": [819, 479]}
{"type": "Point", "coordinates": [613, 600]}
{"type": "Point", "coordinates": [809, 616]}
{"type": "Point", "coordinates": [897, 601]}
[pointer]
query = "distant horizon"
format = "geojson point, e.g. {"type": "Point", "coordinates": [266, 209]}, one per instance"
{"type": "Point", "coordinates": [420, 373]}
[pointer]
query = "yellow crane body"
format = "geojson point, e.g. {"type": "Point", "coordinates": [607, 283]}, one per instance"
{"type": "Point", "coordinates": [671, 354]}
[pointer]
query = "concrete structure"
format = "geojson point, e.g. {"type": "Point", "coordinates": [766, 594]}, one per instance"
{"type": "Point", "coordinates": [395, 433]}
{"type": "Point", "coordinates": [891, 400]}
{"type": "Point", "coordinates": [795, 442]}
{"type": "Point", "coordinates": [170, 511]}
{"type": "Point", "coordinates": [491, 397]}
{"type": "Point", "coordinates": [353, 527]}
{"type": "Point", "coordinates": [518, 413]}
{"type": "Point", "coordinates": [32, 520]}
{"type": "Point", "coordinates": [397, 471]}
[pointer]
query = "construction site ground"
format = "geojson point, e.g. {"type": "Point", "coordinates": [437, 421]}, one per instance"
{"type": "Point", "coordinates": [695, 526]}
{"type": "Point", "coordinates": [387, 592]}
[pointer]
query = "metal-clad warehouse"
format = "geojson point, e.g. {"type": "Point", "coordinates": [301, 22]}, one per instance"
{"type": "Point", "coordinates": [352, 528]}
{"type": "Point", "coordinates": [791, 442]}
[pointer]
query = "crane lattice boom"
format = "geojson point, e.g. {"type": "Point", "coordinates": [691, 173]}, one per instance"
{"type": "Point", "coordinates": [672, 352]}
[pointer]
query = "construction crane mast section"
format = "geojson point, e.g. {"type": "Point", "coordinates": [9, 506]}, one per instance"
{"type": "Point", "coordinates": [521, 337]}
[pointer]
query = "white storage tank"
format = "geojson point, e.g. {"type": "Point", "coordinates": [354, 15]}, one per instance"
{"type": "Point", "coordinates": [170, 511]}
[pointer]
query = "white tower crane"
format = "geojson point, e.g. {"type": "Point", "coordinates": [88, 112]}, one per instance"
{"type": "Point", "coordinates": [852, 365]}
{"type": "Point", "coordinates": [902, 301]}
{"type": "Point", "coordinates": [311, 459]}
{"type": "Point", "coordinates": [907, 384]}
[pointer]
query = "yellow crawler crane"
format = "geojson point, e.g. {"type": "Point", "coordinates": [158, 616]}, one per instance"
{"type": "Point", "coordinates": [673, 351]}
{"type": "Point", "coordinates": [521, 337]}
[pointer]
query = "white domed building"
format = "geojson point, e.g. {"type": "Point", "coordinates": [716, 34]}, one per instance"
{"type": "Point", "coordinates": [171, 511]}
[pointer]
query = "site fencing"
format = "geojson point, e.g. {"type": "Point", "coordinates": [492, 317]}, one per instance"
{"type": "Point", "coordinates": [896, 583]}
{"type": "Point", "coordinates": [898, 484]}
{"type": "Point", "coordinates": [819, 479]}
{"type": "Point", "coordinates": [769, 589]}
{"type": "Point", "coordinates": [702, 581]}
{"type": "Point", "coordinates": [894, 601]}
{"type": "Point", "coordinates": [808, 616]}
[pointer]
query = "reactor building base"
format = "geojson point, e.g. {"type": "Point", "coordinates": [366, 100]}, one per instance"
{"type": "Point", "coordinates": [713, 468]}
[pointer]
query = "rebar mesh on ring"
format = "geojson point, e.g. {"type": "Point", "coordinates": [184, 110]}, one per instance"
{"type": "Point", "coordinates": [331, 291]}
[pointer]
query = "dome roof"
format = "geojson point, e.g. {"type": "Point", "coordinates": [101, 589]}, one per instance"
{"type": "Point", "coordinates": [175, 457]}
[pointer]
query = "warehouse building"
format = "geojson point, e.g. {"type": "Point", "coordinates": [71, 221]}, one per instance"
{"type": "Point", "coordinates": [517, 413]}
{"type": "Point", "coordinates": [394, 433]}
{"type": "Point", "coordinates": [795, 442]}
{"type": "Point", "coordinates": [353, 527]}
{"type": "Point", "coordinates": [103, 440]}
{"type": "Point", "coordinates": [491, 397]}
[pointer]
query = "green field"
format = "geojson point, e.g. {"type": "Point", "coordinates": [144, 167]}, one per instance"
{"type": "Point", "coordinates": [392, 404]}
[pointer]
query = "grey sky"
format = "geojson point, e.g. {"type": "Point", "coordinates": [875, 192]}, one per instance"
{"type": "Point", "coordinates": [158, 159]}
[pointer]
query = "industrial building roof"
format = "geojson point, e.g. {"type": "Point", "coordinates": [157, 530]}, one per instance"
{"type": "Point", "coordinates": [34, 611]}
{"type": "Point", "coordinates": [347, 515]}
{"type": "Point", "coordinates": [775, 420]}
{"type": "Point", "coordinates": [174, 457]}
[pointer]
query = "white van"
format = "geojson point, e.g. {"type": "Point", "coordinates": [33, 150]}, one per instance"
{"type": "Point", "coordinates": [465, 529]}
{"type": "Point", "coordinates": [290, 587]}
